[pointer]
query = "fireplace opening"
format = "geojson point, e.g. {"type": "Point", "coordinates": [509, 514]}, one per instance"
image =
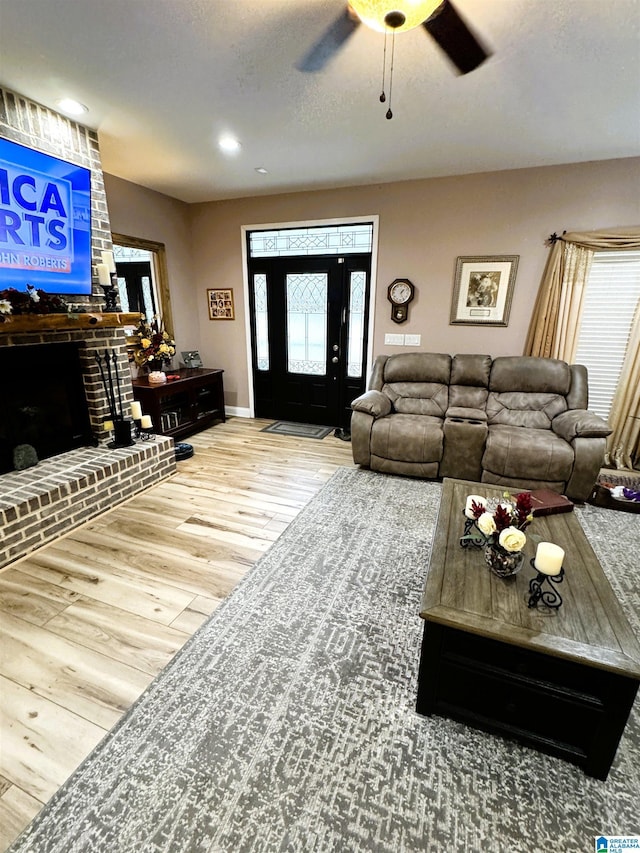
{"type": "Point", "coordinates": [42, 401]}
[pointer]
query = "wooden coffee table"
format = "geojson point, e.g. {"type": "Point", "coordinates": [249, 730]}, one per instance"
{"type": "Point", "coordinates": [561, 681]}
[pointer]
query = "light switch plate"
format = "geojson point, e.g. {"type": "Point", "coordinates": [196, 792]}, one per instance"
{"type": "Point", "coordinates": [412, 340]}
{"type": "Point", "coordinates": [394, 340]}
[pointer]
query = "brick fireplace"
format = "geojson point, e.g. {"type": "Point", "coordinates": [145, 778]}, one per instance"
{"type": "Point", "coordinates": [40, 503]}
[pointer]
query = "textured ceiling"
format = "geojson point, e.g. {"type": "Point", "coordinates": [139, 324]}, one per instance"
{"type": "Point", "coordinates": [164, 78]}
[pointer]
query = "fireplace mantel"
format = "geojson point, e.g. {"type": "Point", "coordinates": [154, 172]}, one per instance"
{"type": "Point", "coordinates": [64, 322]}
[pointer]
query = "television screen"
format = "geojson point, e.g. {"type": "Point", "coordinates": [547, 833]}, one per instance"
{"type": "Point", "coordinates": [45, 222]}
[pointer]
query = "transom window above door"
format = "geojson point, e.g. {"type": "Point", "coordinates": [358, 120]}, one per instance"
{"type": "Point", "coordinates": [319, 240]}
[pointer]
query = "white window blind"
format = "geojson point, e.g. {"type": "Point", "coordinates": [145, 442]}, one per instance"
{"type": "Point", "coordinates": [612, 298]}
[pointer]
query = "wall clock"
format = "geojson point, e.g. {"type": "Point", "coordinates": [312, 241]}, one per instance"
{"type": "Point", "coordinates": [400, 293]}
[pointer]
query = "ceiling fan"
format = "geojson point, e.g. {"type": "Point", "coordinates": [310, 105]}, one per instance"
{"type": "Point", "coordinates": [441, 20]}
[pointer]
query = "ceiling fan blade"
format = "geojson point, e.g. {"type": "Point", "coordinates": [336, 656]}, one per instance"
{"type": "Point", "coordinates": [455, 38]}
{"type": "Point", "coordinates": [334, 38]}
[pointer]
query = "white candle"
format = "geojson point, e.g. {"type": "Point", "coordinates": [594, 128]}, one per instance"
{"type": "Point", "coordinates": [146, 422]}
{"type": "Point", "coordinates": [549, 558]}
{"type": "Point", "coordinates": [108, 426]}
{"type": "Point", "coordinates": [107, 260]}
{"type": "Point", "coordinates": [478, 499]}
{"type": "Point", "coordinates": [136, 410]}
{"type": "Point", "coordinates": [104, 276]}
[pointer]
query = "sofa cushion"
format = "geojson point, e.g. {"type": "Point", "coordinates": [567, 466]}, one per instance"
{"type": "Point", "coordinates": [471, 370]}
{"type": "Point", "coordinates": [529, 454]}
{"type": "Point", "coordinates": [468, 396]}
{"type": "Point", "coordinates": [530, 374]}
{"type": "Point", "coordinates": [407, 438]}
{"type": "Point", "coordinates": [418, 367]}
{"type": "Point", "coordinates": [521, 409]}
{"type": "Point", "coordinates": [418, 398]}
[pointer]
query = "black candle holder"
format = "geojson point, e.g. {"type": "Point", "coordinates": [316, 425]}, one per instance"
{"type": "Point", "coordinates": [550, 598]}
{"type": "Point", "coordinates": [110, 295]}
{"type": "Point", "coordinates": [472, 536]}
{"type": "Point", "coordinates": [122, 436]}
{"type": "Point", "coordinates": [140, 433]}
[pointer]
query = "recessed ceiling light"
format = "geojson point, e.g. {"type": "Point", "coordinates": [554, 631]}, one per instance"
{"type": "Point", "coordinates": [261, 170]}
{"type": "Point", "coordinates": [74, 108]}
{"type": "Point", "coordinates": [229, 144]}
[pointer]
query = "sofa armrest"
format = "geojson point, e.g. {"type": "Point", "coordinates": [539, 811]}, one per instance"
{"type": "Point", "coordinates": [467, 414]}
{"type": "Point", "coordinates": [580, 423]}
{"type": "Point", "coordinates": [373, 403]}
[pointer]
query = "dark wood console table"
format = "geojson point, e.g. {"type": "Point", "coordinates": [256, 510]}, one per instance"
{"type": "Point", "coordinates": [561, 682]}
{"type": "Point", "coordinates": [185, 405]}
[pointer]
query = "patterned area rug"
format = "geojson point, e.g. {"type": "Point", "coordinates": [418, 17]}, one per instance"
{"type": "Point", "coordinates": [298, 430]}
{"type": "Point", "coordinates": [287, 722]}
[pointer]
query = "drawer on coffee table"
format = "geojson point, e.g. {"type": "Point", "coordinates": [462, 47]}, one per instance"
{"type": "Point", "coordinates": [533, 711]}
{"type": "Point", "coordinates": [513, 662]}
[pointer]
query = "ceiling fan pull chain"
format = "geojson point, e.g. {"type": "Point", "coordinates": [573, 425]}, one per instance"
{"type": "Point", "coordinates": [389, 114]}
{"type": "Point", "coordinates": [383, 97]}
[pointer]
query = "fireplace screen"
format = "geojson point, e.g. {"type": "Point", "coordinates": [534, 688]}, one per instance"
{"type": "Point", "coordinates": [42, 402]}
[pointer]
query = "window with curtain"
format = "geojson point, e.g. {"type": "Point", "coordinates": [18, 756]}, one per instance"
{"type": "Point", "coordinates": [611, 301]}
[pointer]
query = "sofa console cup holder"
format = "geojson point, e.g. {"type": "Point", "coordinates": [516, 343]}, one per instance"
{"type": "Point", "coordinates": [473, 421]}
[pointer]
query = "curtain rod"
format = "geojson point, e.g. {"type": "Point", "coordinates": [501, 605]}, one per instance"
{"type": "Point", "coordinates": [553, 238]}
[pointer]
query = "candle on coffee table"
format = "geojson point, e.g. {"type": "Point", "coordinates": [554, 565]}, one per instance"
{"type": "Point", "coordinates": [549, 558]}
{"type": "Point", "coordinates": [477, 499]}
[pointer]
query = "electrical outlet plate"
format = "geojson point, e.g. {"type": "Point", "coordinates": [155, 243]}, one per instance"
{"type": "Point", "coordinates": [412, 340]}
{"type": "Point", "coordinates": [394, 340]}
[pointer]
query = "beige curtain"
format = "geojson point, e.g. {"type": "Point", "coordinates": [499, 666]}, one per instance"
{"type": "Point", "coordinates": [555, 325]}
{"type": "Point", "coordinates": [624, 420]}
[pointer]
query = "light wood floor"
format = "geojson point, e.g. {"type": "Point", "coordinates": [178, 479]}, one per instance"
{"type": "Point", "coordinates": [88, 621]}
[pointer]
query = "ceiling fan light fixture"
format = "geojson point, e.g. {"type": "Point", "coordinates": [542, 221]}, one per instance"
{"type": "Point", "coordinates": [229, 144]}
{"type": "Point", "coordinates": [384, 15]}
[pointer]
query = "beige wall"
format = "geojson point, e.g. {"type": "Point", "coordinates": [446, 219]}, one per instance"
{"type": "Point", "coordinates": [424, 226]}
{"type": "Point", "coordinates": [139, 212]}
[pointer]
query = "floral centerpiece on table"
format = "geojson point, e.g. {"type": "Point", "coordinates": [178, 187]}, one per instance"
{"type": "Point", "coordinates": [30, 301]}
{"type": "Point", "coordinates": [156, 347]}
{"type": "Point", "coordinates": [501, 524]}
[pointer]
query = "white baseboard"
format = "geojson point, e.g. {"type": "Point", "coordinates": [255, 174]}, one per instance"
{"type": "Point", "coordinates": [237, 412]}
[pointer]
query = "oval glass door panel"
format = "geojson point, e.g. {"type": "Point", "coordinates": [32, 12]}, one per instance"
{"type": "Point", "coordinates": [306, 295]}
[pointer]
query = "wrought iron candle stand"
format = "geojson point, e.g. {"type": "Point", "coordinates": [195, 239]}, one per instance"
{"type": "Point", "coordinates": [140, 433]}
{"type": "Point", "coordinates": [551, 598]}
{"type": "Point", "coordinates": [472, 536]}
{"type": "Point", "coordinates": [110, 295]}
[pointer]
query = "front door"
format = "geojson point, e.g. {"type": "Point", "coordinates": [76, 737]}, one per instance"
{"type": "Point", "coordinates": [137, 277]}
{"type": "Point", "coordinates": [309, 325]}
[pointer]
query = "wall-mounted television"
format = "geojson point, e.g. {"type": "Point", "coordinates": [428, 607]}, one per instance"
{"type": "Point", "coordinates": [45, 222]}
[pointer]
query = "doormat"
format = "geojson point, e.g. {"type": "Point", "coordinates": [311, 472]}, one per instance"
{"type": "Point", "coordinates": [298, 430]}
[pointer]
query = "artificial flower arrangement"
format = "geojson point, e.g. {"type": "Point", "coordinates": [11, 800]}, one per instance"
{"type": "Point", "coordinates": [30, 301]}
{"type": "Point", "coordinates": [502, 523]}
{"type": "Point", "coordinates": [157, 347]}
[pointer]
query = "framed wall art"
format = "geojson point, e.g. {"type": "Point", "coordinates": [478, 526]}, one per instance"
{"type": "Point", "coordinates": [483, 290]}
{"type": "Point", "coordinates": [220, 304]}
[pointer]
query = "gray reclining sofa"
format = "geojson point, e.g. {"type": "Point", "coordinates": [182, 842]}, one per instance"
{"type": "Point", "coordinates": [516, 421]}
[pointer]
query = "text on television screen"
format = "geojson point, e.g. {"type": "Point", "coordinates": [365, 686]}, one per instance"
{"type": "Point", "coordinates": [45, 222]}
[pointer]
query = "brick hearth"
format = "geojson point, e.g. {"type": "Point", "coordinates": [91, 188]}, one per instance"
{"type": "Point", "coordinates": [40, 503]}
